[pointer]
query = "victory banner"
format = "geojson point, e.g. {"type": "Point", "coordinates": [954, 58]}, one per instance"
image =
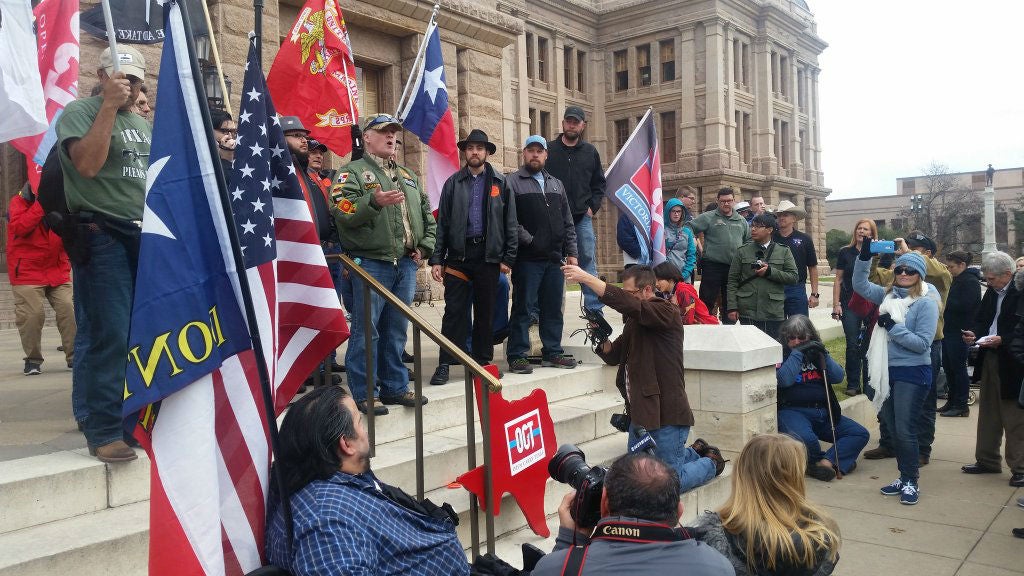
{"type": "Point", "coordinates": [634, 185]}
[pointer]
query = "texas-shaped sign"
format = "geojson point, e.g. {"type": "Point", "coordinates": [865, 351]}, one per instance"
{"type": "Point", "coordinates": [522, 443]}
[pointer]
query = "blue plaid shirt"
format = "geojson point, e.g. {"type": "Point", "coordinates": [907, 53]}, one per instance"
{"type": "Point", "coordinates": [346, 525]}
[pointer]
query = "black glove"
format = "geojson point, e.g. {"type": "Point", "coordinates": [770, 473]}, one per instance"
{"type": "Point", "coordinates": [491, 565]}
{"type": "Point", "coordinates": [886, 321]}
{"type": "Point", "coordinates": [865, 249]}
{"type": "Point", "coordinates": [27, 194]}
{"type": "Point", "coordinates": [812, 349]}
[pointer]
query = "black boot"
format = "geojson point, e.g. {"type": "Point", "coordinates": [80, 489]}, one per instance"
{"type": "Point", "coordinates": [953, 411]}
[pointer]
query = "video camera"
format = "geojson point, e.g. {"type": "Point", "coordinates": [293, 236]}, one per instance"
{"type": "Point", "coordinates": [597, 330]}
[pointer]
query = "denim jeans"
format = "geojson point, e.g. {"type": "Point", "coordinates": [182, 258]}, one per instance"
{"type": "Point", "coordinates": [796, 300]}
{"type": "Point", "coordinates": [536, 285]}
{"type": "Point", "coordinates": [79, 368]}
{"type": "Point", "coordinates": [901, 413]}
{"type": "Point", "coordinates": [105, 286]}
{"type": "Point", "coordinates": [809, 425]}
{"type": "Point", "coordinates": [586, 246]}
{"type": "Point", "coordinates": [954, 362]}
{"type": "Point", "coordinates": [388, 330]}
{"type": "Point", "coordinates": [671, 447]}
{"type": "Point", "coordinates": [926, 421]}
{"type": "Point", "coordinates": [856, 362]}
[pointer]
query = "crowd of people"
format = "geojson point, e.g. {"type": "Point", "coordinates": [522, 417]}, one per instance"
{"type": "Point", "coordinates": [905, 316]}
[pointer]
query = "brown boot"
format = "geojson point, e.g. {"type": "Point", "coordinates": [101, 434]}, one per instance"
{"type": "Point", "coordinates": [700, 446]}
{"type": "Point", "coordinates": [116, 451]}
{"type": "Point", "coordinates": [879, 453]}
{"type": "Point", "coordinates": [715, 455]}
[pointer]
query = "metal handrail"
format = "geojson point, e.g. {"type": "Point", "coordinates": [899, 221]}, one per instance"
{"type": "Point", "coordinates": [471, 368]}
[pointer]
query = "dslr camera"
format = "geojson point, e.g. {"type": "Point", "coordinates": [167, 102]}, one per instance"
{"type": "Point", "coordinates": [569, 466]}
{"type": "Point", "coordinates": [759, 263]}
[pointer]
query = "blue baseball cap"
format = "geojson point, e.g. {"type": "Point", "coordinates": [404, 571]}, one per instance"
{"type": "Point", "coordinates": [536, 139]}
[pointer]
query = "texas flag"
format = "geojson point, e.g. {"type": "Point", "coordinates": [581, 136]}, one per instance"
{"type": "Point", "coordinates": [426, 114]}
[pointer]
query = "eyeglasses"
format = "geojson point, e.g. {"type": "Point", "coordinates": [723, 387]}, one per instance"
{"type": "Point", "coordinates": [227, 131]}
{"type": "Point", "coordinates": [904, 270]}
{"type": "Point", "coordinates": [633, 292]}
{"type": "Point", "coordinates": [298, 136]}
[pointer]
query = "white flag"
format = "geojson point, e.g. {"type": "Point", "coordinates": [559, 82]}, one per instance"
{"type": "Point", "coordinates": [21, 91]}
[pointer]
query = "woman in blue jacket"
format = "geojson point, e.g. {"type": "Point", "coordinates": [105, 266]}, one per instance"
{"type": "Point", "coordinates": [808, 408]}
{"type": "Point", "coordinates": [680, 247]}
{"type": "Point", "coordinates": [899, 356]}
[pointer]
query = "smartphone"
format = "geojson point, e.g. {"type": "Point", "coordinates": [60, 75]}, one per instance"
{"type": "Point", "coordinates": [883, 247]}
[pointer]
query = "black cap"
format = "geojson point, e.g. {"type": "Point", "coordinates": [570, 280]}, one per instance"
{"type": "Point", "coordinates": [917, 239]}
{"type": "Point", "coordinates": [575, 112]}
{"type": "Point", "coordinates": [314, 144]}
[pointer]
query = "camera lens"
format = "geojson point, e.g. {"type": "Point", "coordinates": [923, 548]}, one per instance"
{"type": "Point", "coordinates": [569, 466]}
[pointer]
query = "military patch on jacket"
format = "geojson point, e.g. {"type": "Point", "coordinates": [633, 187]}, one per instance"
{"type": "Point", "coordinates": [342, 178]}
{"type": "Point", "coordinates": [346, 206]}
{"type": "Point", "coordinates": [371, 185]}
{"type": "Point", "coordinates": [409, 182]}
{"type": "Point", "coordinates": [336, 190]}
{"type": "Point", "coordinates": [405, 174]}
{"type": "Point", "coordinates": [369, 177]}
{"type": "Point", "coordinates": [494, 191]}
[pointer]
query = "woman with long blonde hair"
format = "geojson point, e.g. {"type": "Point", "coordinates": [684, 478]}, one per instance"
{"type": "Point", "coordinates": [853, 324]}
{"type": "Point", "coordinates": [767, 525]}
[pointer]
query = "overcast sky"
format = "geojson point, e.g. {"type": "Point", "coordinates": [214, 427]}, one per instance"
{"type": "Point", "coordinates": [907, 82]}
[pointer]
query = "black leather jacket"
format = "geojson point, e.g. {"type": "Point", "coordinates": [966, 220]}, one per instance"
{"type": "Point", "coordinates": [501, 238]}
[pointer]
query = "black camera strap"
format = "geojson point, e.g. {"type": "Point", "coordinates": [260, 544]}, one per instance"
{"type": "Point", "coordinates": [623, 531]}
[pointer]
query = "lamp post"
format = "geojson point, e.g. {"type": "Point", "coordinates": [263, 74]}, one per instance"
{"type": "Point", "coordinates": [990, 213]}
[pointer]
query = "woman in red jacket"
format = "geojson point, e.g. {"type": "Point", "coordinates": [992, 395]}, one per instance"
{"type": "Point", "coordinates": [39, 270]}
{"type": "Point", "coordinates": [683, 294]}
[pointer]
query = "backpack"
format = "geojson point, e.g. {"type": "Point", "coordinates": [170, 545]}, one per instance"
{"type": "Point", "coordinates": [50, 194]}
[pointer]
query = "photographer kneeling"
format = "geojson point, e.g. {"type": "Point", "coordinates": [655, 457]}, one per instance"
{"type": "Point", "coordinates": [649, 354]}
{"type": "Point", "coordinates": [638, 531]}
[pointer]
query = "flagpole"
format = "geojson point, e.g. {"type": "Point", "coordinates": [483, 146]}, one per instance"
{"type": "Point", "coordinates": [416, 62]}
{"type": "Point", "coordinates": [111, 39]}
{"type": "Point", "coordinates": [236, 252]}
{"type": "Point", "coordinates": [216, 57]}
{"type": "Point", "coordinates": [257, 6]}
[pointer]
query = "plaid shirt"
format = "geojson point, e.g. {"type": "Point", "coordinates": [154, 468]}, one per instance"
{"type": "Point", "coordinates": [346, 525]}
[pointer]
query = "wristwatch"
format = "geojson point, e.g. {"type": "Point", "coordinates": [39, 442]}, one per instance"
{"type": "Point", "coordinates": [815, 295]}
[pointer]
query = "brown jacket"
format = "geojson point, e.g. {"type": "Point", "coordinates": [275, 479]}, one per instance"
{"type": "Point", "coordinates": [650, 351]}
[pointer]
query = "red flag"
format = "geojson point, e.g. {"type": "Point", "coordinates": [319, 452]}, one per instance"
{"type": "Point", "coordinates": [313, 76]}
{"type": "Point", "coordinates": [57, 39]}
{"type": "Point", "coordinates": [634, 185]}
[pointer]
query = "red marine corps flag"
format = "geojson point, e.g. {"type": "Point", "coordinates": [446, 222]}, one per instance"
{"type": "Point", "coordinates": [313, 76]}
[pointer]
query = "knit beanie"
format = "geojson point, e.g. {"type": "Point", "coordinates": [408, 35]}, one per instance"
{"type": "Point", "coordinates": [912, 260]}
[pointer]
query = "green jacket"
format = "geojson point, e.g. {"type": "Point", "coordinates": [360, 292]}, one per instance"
{"type": "Point", "coordinates": [722, 234]}
{"type": "Point", "coordinates": [761, 298]}
{"type": "Point", "coordinates": [376, 232]}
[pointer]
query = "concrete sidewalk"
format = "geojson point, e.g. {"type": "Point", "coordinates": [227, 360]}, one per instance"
{"type": "Point", "coordinates": [961, 525]}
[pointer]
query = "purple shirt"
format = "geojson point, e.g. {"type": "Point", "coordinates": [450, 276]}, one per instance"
{"type": "Point", "coordinates": [476, 206]}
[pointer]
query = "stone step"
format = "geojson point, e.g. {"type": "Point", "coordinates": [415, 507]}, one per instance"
{"type": "Point", "coordinates": [108, 541]}
{"type": "Point", "coordinates": [447, 405]}
{"type": "Point", "coordinates": [61, 485]}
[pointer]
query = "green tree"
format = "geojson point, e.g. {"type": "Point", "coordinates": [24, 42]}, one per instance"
{"type": "Point", "coordinates": [834, 241]}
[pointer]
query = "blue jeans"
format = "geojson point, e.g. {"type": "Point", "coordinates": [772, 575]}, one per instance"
{"type": "Point", "coordinates": [796, 300]}
{"type": "Point", "coordinates": [809, 425]}
{"type": "Point", "coordinates": [586, 246]}
{"type": "Point", "coordinates": [79, 368]}
{"type": "Point", "coordinates": [954, 362]}
{"type": "Point", "coordinates": [856, 362]}
{"type": "Point", "coordinates": [388, 330]}
{"type": "Point", "coordinates": [901, 413]}
{"type": "Point", "coordinates": [926, 421]}
{"type": "Point", "coordinates": [105, 286]}
{"type": "Point", "coordinates": [693, 469]}
{"type": "Point", "coordinates": [537, 285]}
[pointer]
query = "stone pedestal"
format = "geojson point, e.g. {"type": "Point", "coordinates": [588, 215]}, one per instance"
{"type": "Point", "coordinates": [730, 381]}
{"type": "Point", "coordinates": [990, 220]}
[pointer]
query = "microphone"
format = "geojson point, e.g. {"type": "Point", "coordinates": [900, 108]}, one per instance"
{"type": "Point", "coordinates": [644, 442]}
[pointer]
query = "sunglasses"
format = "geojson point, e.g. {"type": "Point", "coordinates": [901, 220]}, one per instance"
{"type": "Point", "coordinates": [791, 338]}
{"type": "Point", "coordinates": [904, 271]}
{"type": "Point", "coordinates": [383, 119]}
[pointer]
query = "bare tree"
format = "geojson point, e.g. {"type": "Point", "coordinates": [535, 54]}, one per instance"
{"type": "Point", "coordinates": [948, 211]}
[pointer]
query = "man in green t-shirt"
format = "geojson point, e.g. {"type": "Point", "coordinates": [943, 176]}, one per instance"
{"type": "Point", "coordinates": [104, 153]}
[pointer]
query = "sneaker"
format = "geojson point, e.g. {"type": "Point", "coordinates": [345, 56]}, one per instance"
{"type": "Point", "coordinates": [407, 358]}
{"type": "Point", "coordinates": [892, 489]}
{"type": "Point", "coordinates": [823, 473]}
{"type": "Point", "coordinates": [32, 368]}
{"type": "Point", "coordinates": [378, 408]}
{"type": "Point", "coordinates": [440, 375]}
{"type": "Point", "coordinates": [335, 367]}
{"type": "Point", "coordinates": [1020, 501]}
{"type": "Point", "coordinates": [910, 493]}
{"type": "Point", "coordinates": [879, 453]}
{"type": "Point", "coordinates": [559, 362]}
{"type": "Point", "coordinates": [407, 399]}
{"type": "Point", "coordinates": [520, 366]}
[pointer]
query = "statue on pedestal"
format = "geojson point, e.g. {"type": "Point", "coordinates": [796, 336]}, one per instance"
{"type": "Point", "coordinates": [988, 175]}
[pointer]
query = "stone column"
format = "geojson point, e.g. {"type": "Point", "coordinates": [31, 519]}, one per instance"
{"type": "Point", "coordinates": [730, 383]}
{"type": "Point", "coordinates": [688, 104]}
{"type": "Point", "coordinates": [730, 100]}
{"type": "Point", "coordinates": [715, 153]}
{"type": "Point", "coordinates": [480, 93]}
{"type": "Point", "coordinates": [762, 158]}
{"type": "Point", "coordinates": [814, 151]}
{"type": "Point", "coordinates": [557, 71]}
{"type": "Point", "coordinates": [795, 144]}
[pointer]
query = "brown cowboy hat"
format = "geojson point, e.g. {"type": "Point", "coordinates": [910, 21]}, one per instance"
{"type": "Point", "coordinates": [477, 136]}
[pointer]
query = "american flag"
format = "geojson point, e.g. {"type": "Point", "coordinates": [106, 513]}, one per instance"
{"type": "Point", "coordinates": [192, 386]}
